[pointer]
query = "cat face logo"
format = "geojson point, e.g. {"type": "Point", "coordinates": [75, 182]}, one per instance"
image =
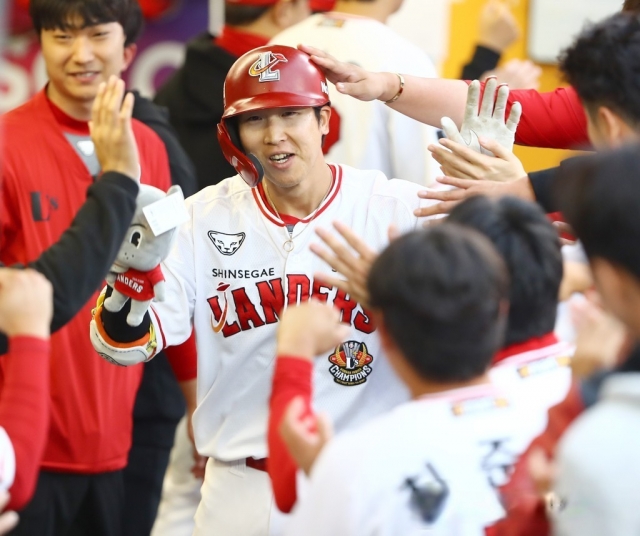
{"type": "Point", "coordinates": [227, 244]}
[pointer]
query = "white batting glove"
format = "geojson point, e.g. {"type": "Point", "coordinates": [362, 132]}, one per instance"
{"type": "Point", "coordinates": [489, 122]}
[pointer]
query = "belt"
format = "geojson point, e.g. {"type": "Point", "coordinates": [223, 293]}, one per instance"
{"type": "Point", "coordinates": [260, 464]}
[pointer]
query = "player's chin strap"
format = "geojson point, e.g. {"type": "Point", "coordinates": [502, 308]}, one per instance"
{"type": "Point", "coordinates": [247, 166]}
{"type": "Point", "coordinates": [118, 353]}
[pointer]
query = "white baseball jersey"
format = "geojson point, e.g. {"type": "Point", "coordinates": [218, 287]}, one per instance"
{"type": "Point", "coordinates": [447, 452]}
{"type": "Point", "coordinates": [230, 274]}
{"type": "Point", "coordinates": [370, 135]}
{"type": "Point", "coordinates": [537, 379]}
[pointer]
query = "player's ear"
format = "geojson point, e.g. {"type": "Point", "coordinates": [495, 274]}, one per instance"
{"type": "Point", "coordinates": [324, 116]}
{"type": "Point", "coordinates": [130, 52]}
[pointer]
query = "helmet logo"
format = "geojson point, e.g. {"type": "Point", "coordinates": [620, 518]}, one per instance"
{"type": "Point", "coordinates": [263, 67]}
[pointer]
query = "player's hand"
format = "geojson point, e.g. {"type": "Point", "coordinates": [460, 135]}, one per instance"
{"type": "Point", "coordinates": [351, 258]}
{"type": "Point", "coordinates": [576, 278]}
{"type": "Point", "coordinates": [497, 27]}
{"type": "Point", "coordinates": [517, 74]}
{"type": "Point", "coordinates": [8, 520]}
{"type": "Point", "coordinates": [353, 80]}
{"type": "Point", "coordinates": [304, 434]}
{"type": "Point", "coordinates": [489, 122]}
{"type": "Point", "coordinates": [111, 130]}
{"type": "Point", "coordinates": [26, 303]}
{"type": "Point", "coordinates": [457, 160]}
{"type": "Point", "coordinates": [465, 188]}
{"type": "Point", "coordinates": [310, 329]}
{"type": "Point", "coordinates": [600, 337]}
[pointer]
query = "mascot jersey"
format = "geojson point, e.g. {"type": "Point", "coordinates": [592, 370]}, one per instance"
{"type": "Point", "coordinates": [47, 168]}
{"type": "Point", "coordinates": [233, 270]}
{"type": "Point", "coordinates": [138, 285]}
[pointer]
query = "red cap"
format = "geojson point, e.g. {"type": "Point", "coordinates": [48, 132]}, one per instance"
{"type": "Point", "coordinates": [273, 76]}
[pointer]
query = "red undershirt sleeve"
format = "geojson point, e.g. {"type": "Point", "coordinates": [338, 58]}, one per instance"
{"type": "Point", "coordinates": [554, 119]}
{"type": "Point", "coordinates": [292, 377]}
{"type": "Point", "coordinates": [24, 411]}
{"type": "Point", "coordinates": [184, 359]}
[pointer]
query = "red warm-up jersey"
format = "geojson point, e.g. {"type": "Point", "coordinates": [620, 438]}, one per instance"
{"type": "Point", "coordinates": [44, 184]}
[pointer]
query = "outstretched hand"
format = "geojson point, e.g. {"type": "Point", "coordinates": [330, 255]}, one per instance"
{"type": "Point", "coordinates": [111, 130]}
{"type": "Point", "coordinates": [489, 122]}
{"type": "Point", "coordinates": [458, 160]}
{"type": "Point", "coordinates": [352, 260]}
{"type": "Point", "coordinates": [351, 79]}
{"type": "Point", "coordinates": [26, 303]}
{"type": "Point", "coordinates": [310, 329]}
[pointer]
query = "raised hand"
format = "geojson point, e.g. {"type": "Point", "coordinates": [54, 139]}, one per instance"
{"type": "Point", "coordinates": [310, 329]}
{"type": "Point", "coordinates": [353, 80]}
{"type": "Point", "coordinates": [489, 122]}
{"type": "Point", "coordinates": [111, 130]}
{"type": "Point", "coordinates": [26, 303]}
{"type": "Point", "coordinates": [353, 260]}
{"type": "Point", "coordinates": [458, 160]}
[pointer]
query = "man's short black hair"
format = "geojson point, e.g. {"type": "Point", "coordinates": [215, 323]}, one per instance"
{"type": "Point", "coordinates": [599, 196]}
{"type": "Point", "coordinates": [440, 292]}
{"type": "Point", "coordinates": [603, 65]}
{"type": "Point", "coordinates": [60, 14]}
{"type": "Point", "coordinates": [529, 245]}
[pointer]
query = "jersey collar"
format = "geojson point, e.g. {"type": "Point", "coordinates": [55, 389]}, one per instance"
{"type": "Point", "coordinates": [267, 210]}
{"type": "Point", "coordinates": [535, 343]}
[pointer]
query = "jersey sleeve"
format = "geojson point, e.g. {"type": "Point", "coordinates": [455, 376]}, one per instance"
{"type": "Point", "coordinates": [24, 416]}
{"type": "Point", "coordinates": [291, 378]}
{"type": "Point", "coordinates": [555, 120]}
{"type": "Point", "coordinates": [172, 318]}
{"type": "Point", "coordinates": [183, 359]}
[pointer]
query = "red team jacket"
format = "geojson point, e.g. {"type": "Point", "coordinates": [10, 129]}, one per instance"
{"type": "Point", "coordinates": [44, 184]}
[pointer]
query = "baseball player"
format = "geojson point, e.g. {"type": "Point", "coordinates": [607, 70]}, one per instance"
{"type": "Point", "coordinates": [430, 464]}
{"type": "Point", "coordinates": [242, 258]}
{"type": "Point", "coordinates": [531, 367]}
{"type": "Point", "coordinates": [371, 135]}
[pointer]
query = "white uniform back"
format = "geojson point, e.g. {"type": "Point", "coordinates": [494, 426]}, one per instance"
{"type": "Point", "coordinates": [469, 438]}
{"type": "Point", "coordinates": [230, 257]}
{"type": "Point", "coordinates": [372, 135]}
{"type": "Point", "coordinates": [537, 379]}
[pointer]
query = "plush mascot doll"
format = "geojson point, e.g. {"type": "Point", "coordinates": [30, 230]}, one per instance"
{"type": "Point", "coordinates": [136, 272]}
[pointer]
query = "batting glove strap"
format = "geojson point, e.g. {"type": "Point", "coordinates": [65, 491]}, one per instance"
{"type": "Point", "coordinates": [119, 353]}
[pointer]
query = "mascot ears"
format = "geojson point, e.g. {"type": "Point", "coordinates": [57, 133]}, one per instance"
{"type": "Point", "coordinates": [247, 166]}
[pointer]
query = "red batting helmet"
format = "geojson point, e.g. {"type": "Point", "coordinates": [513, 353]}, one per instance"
{"type": "Point", "coordinates": [272, 76]}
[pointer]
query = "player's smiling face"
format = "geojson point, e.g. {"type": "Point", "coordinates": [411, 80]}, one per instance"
{"type": "Point", "coordinates": [287, 141]}
{"type": "Point", "coordinates": [79, 58]}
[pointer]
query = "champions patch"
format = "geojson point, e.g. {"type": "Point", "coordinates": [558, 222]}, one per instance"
{"type": "Point", "coordinates": [546, 364]}
{"type": "Point", "coordinates": [350, 363]}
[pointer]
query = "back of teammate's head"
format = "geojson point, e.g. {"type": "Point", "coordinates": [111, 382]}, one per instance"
{"type": "Point", "coordinates": [67, 14]}
{"type": "Point", "coordinates": [529, 245]}
{"type": "Point", "coordinates": [441, 293]}
{"type": "Point", "coordinates": [600, 198]}
{"type": "Point", "coordinates": [603, 65]}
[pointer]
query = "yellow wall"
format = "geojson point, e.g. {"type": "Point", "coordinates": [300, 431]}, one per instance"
{"type": "Point", "coordinates": [463, 35]}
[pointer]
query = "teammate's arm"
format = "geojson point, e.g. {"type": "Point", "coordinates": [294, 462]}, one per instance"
{"type": "Point", "coordinates": [25, 315]}
{"type": "Point", "coordinates": [78, 262]}
{"type": "Point", "coordinates": [555, 119]}
{"type": "Point", "coordinates": [295, 438]}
